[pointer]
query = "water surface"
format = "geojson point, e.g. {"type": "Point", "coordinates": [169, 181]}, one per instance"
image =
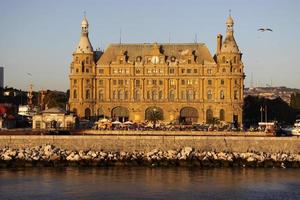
{"type": "Point", "coordinates": [149, 183]}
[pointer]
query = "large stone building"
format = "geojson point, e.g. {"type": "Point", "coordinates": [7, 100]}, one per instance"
{"type": "Point", "coordinates": [173, 81]}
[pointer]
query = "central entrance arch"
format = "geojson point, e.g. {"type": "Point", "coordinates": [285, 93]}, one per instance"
{"type": "Point", "coordinates": [120, 114]}
{"type": "Point", "coordinates": [188, 115]}
{"type": "Point", "coordinates": [154, 113]}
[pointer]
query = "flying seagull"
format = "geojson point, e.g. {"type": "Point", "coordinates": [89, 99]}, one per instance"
{"type": "Point", "coordinates": [29, 74]}
{"type": "Point", "coordinates": [264, 29]}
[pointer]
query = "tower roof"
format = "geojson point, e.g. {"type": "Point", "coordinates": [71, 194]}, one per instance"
{"type": "Point", "coordinates": [84, 45]}
{"type": "Point", "coordinates": [229, 45]}
{"type": "Point", "coordinates": [229, 20]}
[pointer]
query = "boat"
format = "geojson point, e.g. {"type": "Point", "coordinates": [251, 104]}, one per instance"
{"type": "Point", "coordinates": [296, 129]}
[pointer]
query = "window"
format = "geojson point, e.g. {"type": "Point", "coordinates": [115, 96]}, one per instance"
{"type": "Point", "coordinates": [223, 59]}
{"type": "Point", "coordinates": [209, 95]}
{"type": "Point", "coordinates": [126, 82]}
{"type": "Point", "coordinates": [120, 82]}
{"type": "Point", "coordinates": [137, 82]}
{"type": "Point", "coordinates": [190, 95]}
{"type": "Point", "coordinates": [148, 94]}
{"type": "Point", "coordinates": [222, 94]}
{"type": "Point", "coordinates": [87, 81]}
{"type": "Point", "coordinates": [75, 94]}
{"type": "Point", "coordinates": [114, 94]}
{"type": "Point", "coordinates": [161, 82]}
{"type": "Point", "coordinates": [234, 59]}
{"type": "Point", "coordinates": [120, 95]}
{"type": "Point", "coordinates": [87, 94]}
{"type": "Point", "coordinates": [38, 125]}
{"type": "Point", "coordinates": [87, 70]}
{"type": "Point", "coordinates": [223, 70]}
{"type": "Point", "coordinates": [75, 82]}
{"type": "Point", "coordinates": [235, 94]}
{"type": "Point", "coordinates": [222, 115]}
{"type": "Point", "coordinates": [189, 71]}
{"type": "Point", "coordinates": [172, 71]}
{"type": "Point", "coordinates": [154, 82]}
{"type": "Point", "coordinates": [114, 82]}
{"type": "Point", "coordinates": [154, 95]}
{"type": "Point", "coordinates": [209, 82]}
{"type": "Point", "coordinates": [171, 95]}
{"type": "Point", "coordinates": [235, 82]}
{"type": "Point", "coordinates": [126, 71]}
{"type": "Point", "coordinates": [126, 95]}
{"type": "Point", "coordinates": [101, 95]}
{"type": "Point", "coordinates": [160, 95]}
{"type": "Point", "coordinates": [189, 82]}
{"type": "Point", "coordinates": [161, 71]}
{"type": "Point", "coordinates": [222, 82]}
{"type": "Point", "coordinates": [182, 82]}
{"type": "Point", "coordinates": [182, 71]}
{"type": "Point", "coordinates": [172, 82]}
{"type": "Point", "coordinates": [87, 60]}
{"type": "Point", "coordinates": [189, 61]}
{"type": "Point", "coordinates": [137, 71]}
{"type": "Point", "coordinates": [183, 95]}
{"type": "Point", "coordinates": [149, 82]}
{"type": "Point", "coordinates": [149, 71]}
{"type": "Point", "coordinates": [209, 71]}
{"type": "Point", "coordinates": [100, 82]}
{"type": "Point", "coordinates": [195, 71]}
{"type": "Point", "coordinates": [77, 70]}
{"type": "Point", "coordinates": [137, 95]}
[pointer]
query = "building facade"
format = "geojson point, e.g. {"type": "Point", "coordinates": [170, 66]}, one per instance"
{"type": "Point", "coordinates": [173, 81]}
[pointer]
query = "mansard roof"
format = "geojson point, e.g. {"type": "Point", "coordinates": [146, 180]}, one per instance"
{"type": "Point", "coordinates": [178, 50]}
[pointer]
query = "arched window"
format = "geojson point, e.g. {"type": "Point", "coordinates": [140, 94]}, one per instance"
{"type": "Point", "coordinates": [222, 115]}
{"type": "Point", "coordinates": [148, 94]}
{"type": "Point", "coordinates": [75, 94]}
{"type": "Point", "coordinates": [223, 59]}
{"type": "Point", "coordinates": [222, 82]}
{"type": "Point", "coordinates": [209, 116]}
{"type": "Point", "coordinates": [209, 95]}
{"type": "Point", "coordinates": [234, 59]}
{"type": "Point", "coordinates": [222, 96]}
{"type": "Point", "coordinates": [87, 94]}
{"type": "Point", "coordinates": [171, 95]}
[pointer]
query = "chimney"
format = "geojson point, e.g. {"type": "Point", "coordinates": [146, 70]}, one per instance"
{"type": "Point", "coordinates": [219, 43]}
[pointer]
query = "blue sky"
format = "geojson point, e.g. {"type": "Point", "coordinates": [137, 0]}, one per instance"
{"type": "Point", "coordinates": [38, 37]}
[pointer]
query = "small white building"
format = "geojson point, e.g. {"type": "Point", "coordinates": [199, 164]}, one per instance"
{"type": "Point", "coordinates": [53, 118]}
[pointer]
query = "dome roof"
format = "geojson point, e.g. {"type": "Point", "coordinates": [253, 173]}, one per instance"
{"type": "Point", "coordinates": [84, 45]}
{"type": "Point", "coordinates": [229, 45]}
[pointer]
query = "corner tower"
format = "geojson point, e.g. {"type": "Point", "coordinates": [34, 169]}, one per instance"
{"type": "Point", "coordinates": [82, 75]}
{"type": "Point", "coordinates": [231, 70]}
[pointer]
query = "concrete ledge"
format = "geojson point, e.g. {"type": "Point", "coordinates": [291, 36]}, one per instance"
{"type": "Point", "coordinates": [143, 143]}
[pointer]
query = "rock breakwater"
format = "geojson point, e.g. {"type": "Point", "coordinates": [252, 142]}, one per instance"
{"type": "Point", "coordinates": [49, 155]}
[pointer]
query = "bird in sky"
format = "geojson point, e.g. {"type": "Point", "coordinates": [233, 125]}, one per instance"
{"type": "Point", "coordinates": [265, 29]}
{"type": "Point", "coordinates": [29, 74]}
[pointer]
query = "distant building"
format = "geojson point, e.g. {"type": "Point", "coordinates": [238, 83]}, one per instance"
{"type": "Point", "coordinates": [179, 81]}
{"type": "Point", "coordinates": [2, 77]}
{"type": "Point", "coordinates": [56, 118]}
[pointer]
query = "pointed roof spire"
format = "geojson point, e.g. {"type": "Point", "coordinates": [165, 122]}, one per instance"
{"type": "Point", "coordinates": [84, 45]}
{"type": "Point", "coordinates": [229, 45]}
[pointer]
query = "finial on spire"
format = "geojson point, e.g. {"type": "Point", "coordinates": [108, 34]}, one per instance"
{"type": "Point", "coordinates": [84, 13]}
{"type": "Point", "coordinates": [230, 12]}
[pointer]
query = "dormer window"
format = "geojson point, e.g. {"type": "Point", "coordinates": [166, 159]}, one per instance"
{"type": "Point", "coordinates": [189, 61]}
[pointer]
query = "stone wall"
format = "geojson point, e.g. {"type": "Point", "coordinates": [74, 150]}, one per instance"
{"type": "Point", "coordinates": [132, 143]}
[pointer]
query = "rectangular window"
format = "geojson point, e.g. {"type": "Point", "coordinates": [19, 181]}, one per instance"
{"type": "Point", "coordinates": [100, 82]}
{"type": "Point", "coordinates": [115, 71]}
{"type": "Point", "coordinates": [161, 71]}
{"type": "Point", "coordinates": [209, 82]}
{"type": "Point", "coordinates": [172, 71]}
{"type": "Point", "coordinates": [137, 82]}
{"type": "Point", "coordinates": [189, 82]}
{"type": "Point", "coordinates": [114, 82]}
{"type": "Point", "coordinates": [126, 82]}
{"type": "Point", "coordinates": [182, 71]}
{"type": "Point", "coordinates": [195, 71]}
{"type": "Point", "coordinates": [222, 82]}
{"type": "Point", "coordinates": [149, 82]}
{"type": "Point", "coordinates": [189, 71]}
{"type": "Point", "coordinates": [172, 82]}
{"type": "Point", "coordinates": [154, 82]}
{"type": "Point", "coordinates": [161, 82]}
{"type": "Point", "coordinates": [209, 71]}
{"type": "Point", "coordinates": [75, 82]}
{"type": "Point", "coordinates": [182, 82]}
{"type": "Point", "coordinates": [101, 71]}
{"type": "Point", "coordinates": [149, 71]}
{"type": "Point", "coordinates": [120, 82]}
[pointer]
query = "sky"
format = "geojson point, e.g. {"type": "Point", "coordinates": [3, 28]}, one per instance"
{"type": "Point", "coordinates": [38, 37]}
